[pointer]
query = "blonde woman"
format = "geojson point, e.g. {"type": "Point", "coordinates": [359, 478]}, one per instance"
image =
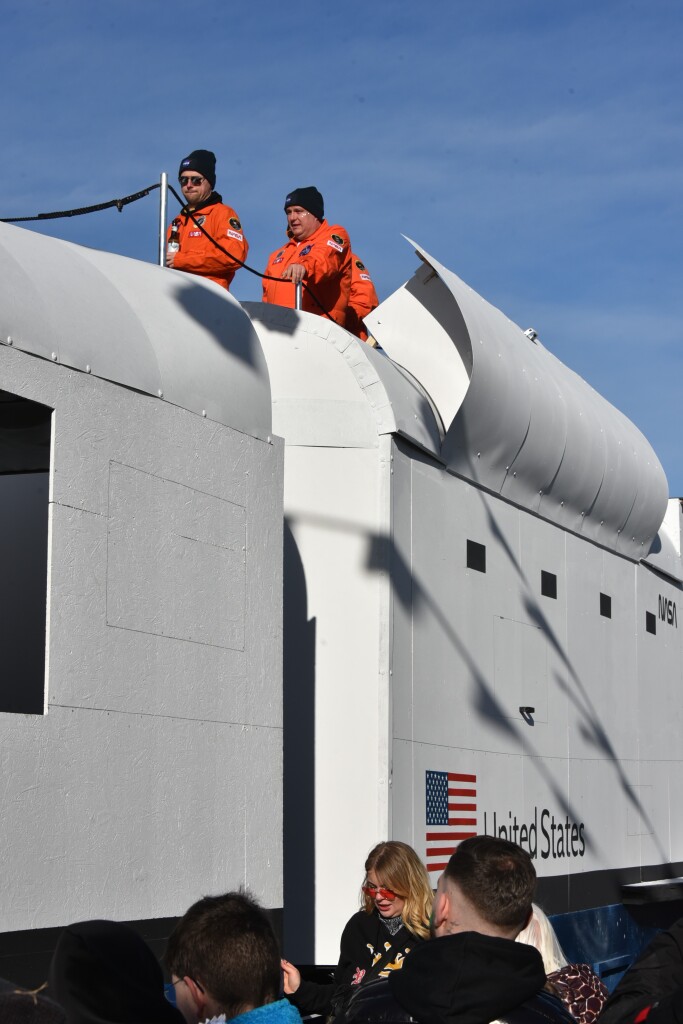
{"type": "Point", "coordinates": [396, 902]}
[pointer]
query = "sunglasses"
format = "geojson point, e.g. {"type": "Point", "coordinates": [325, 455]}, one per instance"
{"type": "Point", "coordinates": [191, 181]}
{"type": "Point", "coordinates": [373, 891]}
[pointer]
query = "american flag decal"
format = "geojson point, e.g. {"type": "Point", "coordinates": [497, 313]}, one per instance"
{"type": "Point", "coordinates": [451, 815]}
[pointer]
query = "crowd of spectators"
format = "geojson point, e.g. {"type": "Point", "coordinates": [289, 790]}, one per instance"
{"type": "Point", "coordinates": [477, 951]}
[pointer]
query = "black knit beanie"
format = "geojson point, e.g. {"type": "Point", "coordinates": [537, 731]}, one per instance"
{"type": "Point", "coordinates": [203, 161]}
{"type": "Point", "coordinates": [102, 972]}
{"type": "Point", "coordinates": [309, 198]}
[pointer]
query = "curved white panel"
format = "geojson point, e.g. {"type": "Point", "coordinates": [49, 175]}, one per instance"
{"type": "Point", "coordinates": [330, 389]}
{"type": "Point", "coordinates": [525, 425]}
{"type": "Point", "coordinates": [139, 325]}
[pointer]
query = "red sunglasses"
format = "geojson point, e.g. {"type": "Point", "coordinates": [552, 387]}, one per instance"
{"type": "Point", "coordinates": [374, 891]}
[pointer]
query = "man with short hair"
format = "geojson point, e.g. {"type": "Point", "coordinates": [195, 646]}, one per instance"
{"type": "Point", "coordinates": [472, 971]}
{"type": "Point", "coordinates": [487, 887]}
{"type": "Point", "coordinates": [225, 963]}
{"type": "Point", "coordinates": [189, 248]}
{"type": "Point", "coordinates": [316, 253]}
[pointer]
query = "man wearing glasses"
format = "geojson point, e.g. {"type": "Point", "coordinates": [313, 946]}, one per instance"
{"type": "Point", "coordinates": [224, 962]}
{"type": "Point", "coordinates": [189, 248]}
{"type": "Point", "coordinates": [316, 253]}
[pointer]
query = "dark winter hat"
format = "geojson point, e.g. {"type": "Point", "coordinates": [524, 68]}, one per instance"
{"type": "Point", "coordinates": [102, 972]}
{"type": "Point", "coordinates": [309, 198]}
{"type": "Point", "coordinates": [203, 161]}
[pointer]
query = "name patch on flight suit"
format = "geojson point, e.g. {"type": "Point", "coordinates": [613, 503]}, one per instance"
{"type": "Point", "coordinates": [194, 234]}
{"type": "Point", "coordinates": [235, 234]}
{"type": "Point", "coordinates": [364, 277]}
{"type": "Point", "coordinates": [335, 245]}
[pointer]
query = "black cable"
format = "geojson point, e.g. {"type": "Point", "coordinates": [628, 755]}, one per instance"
{"type": "Point", "coordinates": [118, 203]}
{"type": "Point", "coordinates": [266, 277]}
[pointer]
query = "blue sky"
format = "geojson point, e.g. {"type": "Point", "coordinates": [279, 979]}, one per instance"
{"type": "Point", "coordinates": [535, 147]}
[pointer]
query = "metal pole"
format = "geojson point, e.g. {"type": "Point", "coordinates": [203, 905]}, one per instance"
{"type": "Point", "coordinates": [298, 293]}
{"type": "Point", "coordinates": [163, 202]}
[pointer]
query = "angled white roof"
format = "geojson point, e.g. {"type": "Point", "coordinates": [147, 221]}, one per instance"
{"type": "Point", "coordinates": [332, 390]}
{"type": "Point", "coordinates": [518, 421]}
{"type": "Point", "coordinates": [162, 332]}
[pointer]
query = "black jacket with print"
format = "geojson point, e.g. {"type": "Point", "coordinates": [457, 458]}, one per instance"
{"type": "Point", "coordinates": [367, 950]}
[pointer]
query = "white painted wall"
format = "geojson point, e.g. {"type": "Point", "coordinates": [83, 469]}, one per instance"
{"type": "Point", "coordinates": [470, 648]}
{"type": "Point", "coordinates": [155, 776]}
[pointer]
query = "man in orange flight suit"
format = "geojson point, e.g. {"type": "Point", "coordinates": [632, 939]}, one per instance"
{"type": "Point", "coordinates": [362, 300]}
{"type": "Point", "coordinates": [196, 254]}
{"type": "Point", "coordinates": [317, 253]}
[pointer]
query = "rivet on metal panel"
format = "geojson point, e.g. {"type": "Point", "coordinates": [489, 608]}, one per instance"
{"type": "Point", "coordinates": [561, 503]}
{"type": "Point", "coordinates": [602, 522]}
{"type": "Point", "coordinates": [87, 367]}
{"type": "Point", "coordinates": [160, 393]}
{"type": "Point", "coordinates": [9, 340]}
{"type": "Point", "coordinates": [582, 514]}
{"type": "Point", "coordinates": [514, 474]}
{"type": "Point", "coordinates": [540, 492]}
{"type": "Point", "coordinates": [204, 413]}
{"type": "Point", "coordinates": [54, 357]}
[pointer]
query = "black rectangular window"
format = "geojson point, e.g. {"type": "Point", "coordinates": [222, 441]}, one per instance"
{"type": "Point", "coordinates": [650, 622]}
{"type": "Point", "coordinates": [476, 556]}
{"type": "Point", "coordinates": [548, 584]}
{"type": "Point", "coordinates": [24, 481]}
{"type": "Point", "coordinates": [606, 605]}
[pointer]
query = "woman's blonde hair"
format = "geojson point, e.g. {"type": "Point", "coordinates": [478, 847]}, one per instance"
{"type": "Point", "coordinates": [399, 868]}
{"type": "Point", "coordinates": [540, 933]}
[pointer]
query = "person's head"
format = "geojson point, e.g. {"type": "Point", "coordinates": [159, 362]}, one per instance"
{"type": "Point", "coordinates": [540, 934]}
{"type": "Point", "coordinates": [223, 957]}
{"type": "Point", "coordinates": [397, 885]}
{"type": "Point", "coordinates": [487, 887]}
{"type": "Point", "coordinates": [197, 176]}
{"type": "Point", "coordinates": [103, 970]}
{"type": "Point", "coordinates": [23, 1006]}
{"type": "Point", "coordinates": [305, 212]}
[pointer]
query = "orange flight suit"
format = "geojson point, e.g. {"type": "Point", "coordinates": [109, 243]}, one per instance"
{"type": "Point", "coordinates": [197, 255]}
{"type": "Point", "coordinates": [363, 298]}
{"type": "Point", "coordinates": [326, 254]}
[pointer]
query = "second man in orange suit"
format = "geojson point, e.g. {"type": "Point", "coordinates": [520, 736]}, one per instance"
{"type": "Point", "coordinates": [317, 253]}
